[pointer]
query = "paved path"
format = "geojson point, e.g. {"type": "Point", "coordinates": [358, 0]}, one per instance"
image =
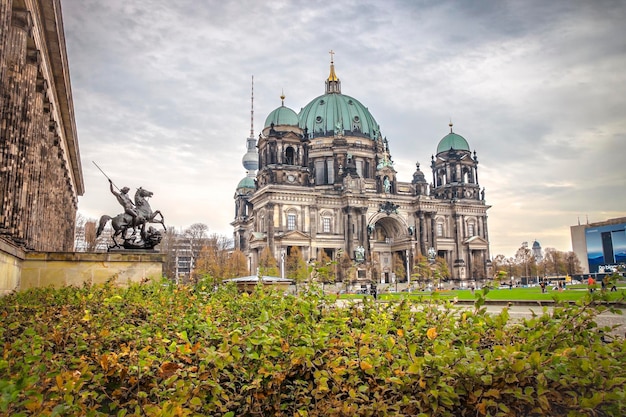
{"type": "Point", "coordinates": [604, 319]}
{"type": "Point", "coordinates": [518, 312]}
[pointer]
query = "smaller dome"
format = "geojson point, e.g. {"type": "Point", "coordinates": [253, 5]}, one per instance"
{"type": "Point", "coordinates": [282, 116]}
{"type": "Point", "coordinates": [536, 245]}
{"type": "Point", "coordinates": [453, 141]}
{"type": "Point", "coordinates": [418, 175]}
{"type": "Point", "coordinates": [247, 183]}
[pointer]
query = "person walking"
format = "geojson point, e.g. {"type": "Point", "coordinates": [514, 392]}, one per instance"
{"type": "Point", "coordinates": [591, 283]}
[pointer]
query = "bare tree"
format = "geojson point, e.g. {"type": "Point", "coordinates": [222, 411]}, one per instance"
{"type": "Point", "coordinates": [79, 233]}
{"type": "Point", "coordinates": [214, 259]}
{"type": "Point", "coordinates": [167, 246]}
{"type": "Point", "coordinates": [554, 262]}
{"type": "Point", "coordinates": [85, 239]}
{"type": "Point", "coordinates": [572, 264]}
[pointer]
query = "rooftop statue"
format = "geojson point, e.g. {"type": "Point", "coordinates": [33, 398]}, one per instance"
{"type": "Point", "coordinates": [130, 226]}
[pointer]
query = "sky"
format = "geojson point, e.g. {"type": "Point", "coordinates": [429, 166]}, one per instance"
{"type": "Point", "coordinates": [162, 98]}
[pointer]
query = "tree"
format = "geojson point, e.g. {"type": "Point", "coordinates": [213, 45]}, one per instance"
{"type": "Point", "coordinates": [267, 263]}
{"type": "Point", "coordinates": [324, 269]}
{"type": "Point", "coordinates": [196, 231]}
{"type": "Point", "coordinates": [572, 264]}
{"type": "Point", "coordinates": [398, 266]}
{"type": "Point", "coordinates": [500, 266]}
{"type": "Point", "coordinates": [345, 268]}
{"type": "Point", "coordinates": [523, 258]}
{"type": "Point", "coordinates": [374, 264]}
{"type": "Point", "coordinates": [296, 267]}
{"type": "Point", "coordinates": [85, 239]}
{"type": "Point", "coordinates": [238, 264]}
{"type": "Point", "coordinates": [554, 262]}
{"type": "Point", "coordinates": [440, 270]}
{"type": "Point", "coordinates": [214, 259]}
{"type": "Point", "coordinates": [167, 247]}
{"type": "Point", "coordinates": [421, 270]}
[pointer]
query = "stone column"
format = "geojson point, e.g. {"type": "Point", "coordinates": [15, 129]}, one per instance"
{"type": "Point", "coordinates": [270, 227]}
{"type": "Point", "coordinates": [422, 233]}
{"type": "Point", "coordinates": [17, 86]}
{"type": "Point", "coordinates": [348, 231]}
{"type": "Point", "coordinates": [313, 220]}
{"type": "Point", "coordinates": [363, 236]}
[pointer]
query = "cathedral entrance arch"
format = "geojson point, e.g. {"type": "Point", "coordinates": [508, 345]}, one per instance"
{"type": "Point", "coordinates": [389, 242]}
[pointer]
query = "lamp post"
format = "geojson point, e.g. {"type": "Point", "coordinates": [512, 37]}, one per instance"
{"type": "Point", "coordinates": [282, 263]}
{"type": "Point", "coordinates": [408, 272]}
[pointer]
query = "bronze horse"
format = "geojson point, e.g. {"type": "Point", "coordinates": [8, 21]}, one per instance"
{"type": "Point", "coordinates": [122, 222]}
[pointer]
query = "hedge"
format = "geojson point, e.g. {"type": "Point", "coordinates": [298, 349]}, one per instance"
{"type": "Point", "coordinates": [157, 349]}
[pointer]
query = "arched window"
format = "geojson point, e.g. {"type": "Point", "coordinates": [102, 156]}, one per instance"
{"type": "Point", "coordinates": [289, 156]}
{"type": "Point", "coordinates": [326, 222]}
{"type": "Point", "coordinates": [440, 229]}
{"type": "Point", "coordinates": [292, 219]}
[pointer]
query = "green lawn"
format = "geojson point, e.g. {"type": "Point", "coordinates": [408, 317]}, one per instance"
{"type": "Point", "coordinates": [532, 293]}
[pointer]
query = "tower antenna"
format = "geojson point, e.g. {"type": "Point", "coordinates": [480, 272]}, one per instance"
{"type": "Point", "coordinates": [252, 110]}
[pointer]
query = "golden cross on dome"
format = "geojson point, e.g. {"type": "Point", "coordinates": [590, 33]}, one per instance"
{"type": "Point", "coordinates": [331, 52]}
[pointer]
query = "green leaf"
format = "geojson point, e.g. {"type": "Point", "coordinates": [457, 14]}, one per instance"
{"type": "Point", "coordinates": [264, 316]}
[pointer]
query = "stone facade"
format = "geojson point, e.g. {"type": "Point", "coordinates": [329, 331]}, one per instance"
{"type": "Point", "coordinates": [326, 182]}
{"type": "Point", "coordinates": [40, 169]}
{"type": "Point", "coordinates": [60, 269]}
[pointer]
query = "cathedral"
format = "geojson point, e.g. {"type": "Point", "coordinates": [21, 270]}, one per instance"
{"type": "Point", "coordinates": [323, 180]}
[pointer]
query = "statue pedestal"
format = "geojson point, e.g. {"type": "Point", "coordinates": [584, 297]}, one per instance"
{"type": "Point", "coordinates": [41, 269]}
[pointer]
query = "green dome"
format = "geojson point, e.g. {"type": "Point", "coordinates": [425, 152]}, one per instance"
{"type": "Point", "coordinates": [453, 141]}
{"type": "Point", "coordinates": [282, 116]}
{"type": "Point", "coordinates": [246, 182]}
{"type": "Point", "coordinates": [337, 111]}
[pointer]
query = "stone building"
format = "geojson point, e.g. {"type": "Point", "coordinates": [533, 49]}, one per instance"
{"type": "Point", "coordinates": [40, 169]}
{"type": "Point", "coordinates": [326, 182]}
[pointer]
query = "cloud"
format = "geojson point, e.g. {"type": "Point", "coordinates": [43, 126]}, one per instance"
{"type": "Point", "coordinates": [162, 97]}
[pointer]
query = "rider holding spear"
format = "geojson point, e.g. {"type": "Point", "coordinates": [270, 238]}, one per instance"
{"type": "Point", "coordinates": [123, 198]}
{"type": "Point", "coordinates": [125, 201]}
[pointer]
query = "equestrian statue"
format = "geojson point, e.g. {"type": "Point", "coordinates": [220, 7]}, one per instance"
{"type": "Point", "coordinates": [132, 225]}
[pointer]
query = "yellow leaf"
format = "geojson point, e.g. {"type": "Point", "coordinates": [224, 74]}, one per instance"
{"type": "Point", "coordinates": [492, 393]}
{"type": "Point", "coordinates": [482, 408]}
{"type": "Point", "coordinates": [422, 383]}
{"type": "Point", "coordinates": [400, 332]}
{"type": "Point", "coordinates": [365, 365]}
{"type": "Point", "coordinates": [33, 404]}
{"type": "Point", "coordinates": [431, 333]}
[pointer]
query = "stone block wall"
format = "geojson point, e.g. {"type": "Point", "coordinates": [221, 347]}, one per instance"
{"type": "Point", "coordinates": [59, 269]}
{"type": "Point", "coordinates": [40, 171]}
{"type": "Point", "coordinates": [11, 259]}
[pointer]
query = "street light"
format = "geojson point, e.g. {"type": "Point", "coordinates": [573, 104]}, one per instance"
{"type": "Point", "coordinates": [282, 263]}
